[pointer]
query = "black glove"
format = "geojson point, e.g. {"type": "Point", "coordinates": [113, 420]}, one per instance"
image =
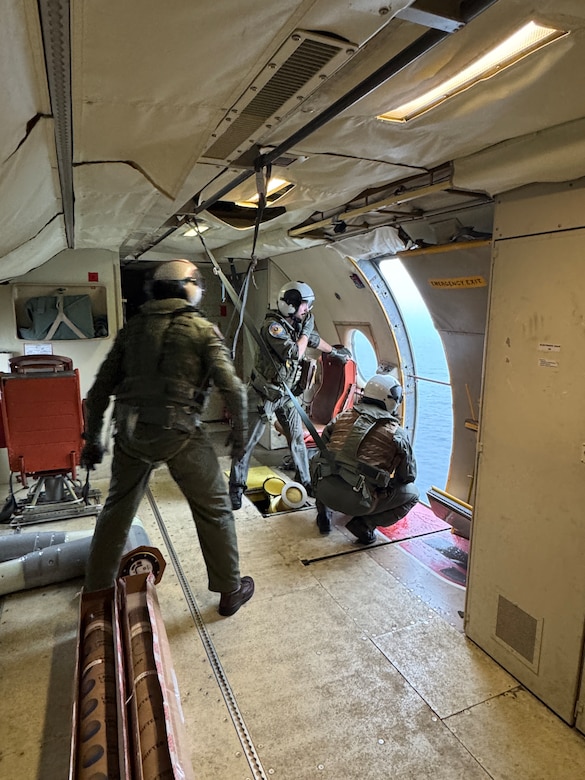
{"type": "Point", "coordinates": [91, 454]}
{"type": "Point", "coordinates": [297, 389]}
{"type": "Point", "coordinates": [340, 353]}
{"type": "Point", "coordinates": [237, 440]}
{"type": "Point", "coordinates": [308, 325]}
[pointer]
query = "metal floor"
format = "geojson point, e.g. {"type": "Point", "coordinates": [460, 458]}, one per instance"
{"type": "Point", "coordinates": [347, 663]}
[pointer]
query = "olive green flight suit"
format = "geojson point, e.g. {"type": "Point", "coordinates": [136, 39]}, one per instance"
{"type": "Point", "coordinates": [160, 369]}
{"type": "Point", "coordinates": [278, 366]}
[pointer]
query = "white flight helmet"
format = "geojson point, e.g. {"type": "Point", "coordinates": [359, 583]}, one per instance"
{"type": "Point", "coordinates": [292, 295]}
{"type": "Point", "coordinates": [182, 271]}
{"type": "Point", "coordinates": [385, 388]}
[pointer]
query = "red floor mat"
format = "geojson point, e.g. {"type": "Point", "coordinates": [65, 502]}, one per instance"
{"type": "Point", "coordinates": [428, 539]}
{"type": "Point", "coordinates": [443, 553]}
{"type": "Point", "coordinates": [420, 520]}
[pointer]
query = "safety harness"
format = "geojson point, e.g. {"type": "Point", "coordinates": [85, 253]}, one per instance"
{"type": "Point", "coordinates": [344, 464]}
{"type": "Point", "coordinates": [166, 401]}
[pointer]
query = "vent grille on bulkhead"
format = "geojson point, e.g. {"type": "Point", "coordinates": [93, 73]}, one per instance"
{"type": "Point", "coordinates": [520, 631]}
{"type": "Point", "coordinates": [288, 78]}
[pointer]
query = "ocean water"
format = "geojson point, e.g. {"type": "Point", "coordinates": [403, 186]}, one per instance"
{"type": "Point", "coordinates": [433, 436]}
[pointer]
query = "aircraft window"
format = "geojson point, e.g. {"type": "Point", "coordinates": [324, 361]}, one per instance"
{"type": "Point", "coordinates": [364, 356]}
{"type": "Point", "coordinates": [433, 435]}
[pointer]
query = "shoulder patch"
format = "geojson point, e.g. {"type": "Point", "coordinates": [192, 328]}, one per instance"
{"type": "Point", "coordinates": [275, 329]}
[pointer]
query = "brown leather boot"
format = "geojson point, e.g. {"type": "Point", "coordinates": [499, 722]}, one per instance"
{"type": "Point", "coordinates": [230, 603]}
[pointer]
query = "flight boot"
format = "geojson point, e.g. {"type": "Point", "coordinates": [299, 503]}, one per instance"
{"type": "Point", "coordinates": [236, 493]}
{"type": "Point", "coordinates": [360, 530]}
{"type": "Point", "coordinates": [324, 521]}
{"type": "Point", "coordinates": [230, 603]}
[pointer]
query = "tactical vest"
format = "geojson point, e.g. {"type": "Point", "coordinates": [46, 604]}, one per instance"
{"type": "Point", "coordinates": [276, 369]}
{"type": "Point", "coordinates": [344, 482]}
{"type": "Point", "coordinates": [161, 396]}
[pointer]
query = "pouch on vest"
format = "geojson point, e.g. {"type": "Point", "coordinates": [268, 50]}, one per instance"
{"type": "Point", "coordinates": [307, 372]}
{"type": "Point", "coordinates": [336, 493]}
{"type": "Point", "coordinates": [342, 481]}
{"type": "Point", "coordinates": [342, 487]}
{"type": "Point", "coordinates": [266, 389]}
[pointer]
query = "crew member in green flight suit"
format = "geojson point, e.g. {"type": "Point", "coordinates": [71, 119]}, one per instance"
{"type": "Point", "coordinates": [160, 369]}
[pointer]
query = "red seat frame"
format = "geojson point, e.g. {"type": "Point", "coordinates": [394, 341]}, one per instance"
{"type": "Point", "coordinates": [41, 416]}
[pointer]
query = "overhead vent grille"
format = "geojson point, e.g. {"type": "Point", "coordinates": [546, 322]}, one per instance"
{"type": "Point", "coordinates": [285, 160]}
{"type": "Point", "coordinates": [301, 65]}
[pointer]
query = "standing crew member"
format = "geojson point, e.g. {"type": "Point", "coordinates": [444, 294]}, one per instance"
{"type": "Point", "coordinates": [369, 469]}
{"type": "Point", "coordinates": [286, 332]}
{"type": "Point", "coordinates": [160, 369]}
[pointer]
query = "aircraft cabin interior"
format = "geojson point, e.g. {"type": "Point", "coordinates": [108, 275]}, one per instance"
{"type": "Point", "coordinates": [420, 164]}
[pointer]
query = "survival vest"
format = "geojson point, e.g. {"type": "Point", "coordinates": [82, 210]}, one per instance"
{"type": "Point", "coordinates": [344, 482]}
{"type": "Point", "coordinates": [168, 399]}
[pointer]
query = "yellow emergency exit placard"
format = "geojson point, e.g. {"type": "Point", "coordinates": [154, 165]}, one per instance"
{"type": "Point", "coordinates": [458, 282]}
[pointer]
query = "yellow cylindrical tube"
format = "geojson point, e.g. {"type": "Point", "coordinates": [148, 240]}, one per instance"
{"type": "Point", "coordinates": [292, 496]}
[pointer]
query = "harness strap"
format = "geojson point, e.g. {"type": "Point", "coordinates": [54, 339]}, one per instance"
{"type": "Point", "coordinates": [63, 318]}
{"type": "Point", "coordinates": [360, 429]}
{"type": "Point", "coordinates": [347, 457]}
{"type": "Point", "coordinates": [249, 322]}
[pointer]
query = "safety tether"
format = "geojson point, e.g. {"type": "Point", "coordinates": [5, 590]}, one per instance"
{"type": "Point", "coordinates": [243, 297]}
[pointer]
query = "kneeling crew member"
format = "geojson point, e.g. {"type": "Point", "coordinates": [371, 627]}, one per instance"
{"type": "Point", "coordinates": [369, 471]}
{"type": "Point", "coordinates": [160, 369]}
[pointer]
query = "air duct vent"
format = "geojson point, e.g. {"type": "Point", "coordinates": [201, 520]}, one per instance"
{"type": "Point", "coordinates": [302, 64]}
{"type": "Point", "coordinates": [285, 160]}
{"type": "Point", "coordinates": [519, 631]}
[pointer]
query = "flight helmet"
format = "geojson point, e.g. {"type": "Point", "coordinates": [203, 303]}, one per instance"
{"type": "Point", "coordinates": [292, 295]}
{"type": "Point", "coordinates": [181, 273]}
{"type": "Point", "coordinates": [385, 389]}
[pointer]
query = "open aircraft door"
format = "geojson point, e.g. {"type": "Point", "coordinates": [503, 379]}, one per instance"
{"type": "Point", "coordinates": [526, 585]}
{"type": "Point", "coordinates": [453, 280]}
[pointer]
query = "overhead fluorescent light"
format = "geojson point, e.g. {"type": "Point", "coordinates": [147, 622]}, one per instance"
{"type": "Point", "coordinates": [524, 41]}
{"type": "Point", "coordinates": [275, 190]}
{"type": "Point", "coordinates": [196, 230]}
